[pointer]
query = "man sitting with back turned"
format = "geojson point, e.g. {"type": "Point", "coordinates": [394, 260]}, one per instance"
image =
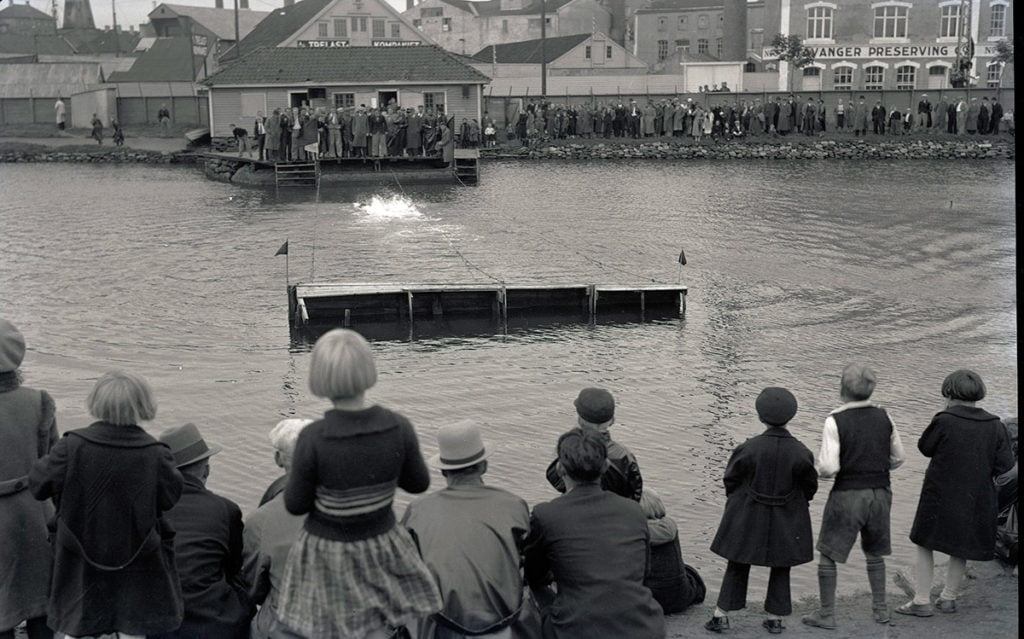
{"type": "Point", "coordinates": [207, 546]}
{"type": "Point", "coordinates": [595, 408]}
{"type": "Point", "coordinates": [470, 536]}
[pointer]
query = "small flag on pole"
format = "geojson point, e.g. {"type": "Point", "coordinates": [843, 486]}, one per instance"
{"type": "Point", "coordinates": [682, 255]}
{"type": "Point", "coordinates": [283, 250]}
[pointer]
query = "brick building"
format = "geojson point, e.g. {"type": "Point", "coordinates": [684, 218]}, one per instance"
{"type": "Point", "coordinates": [669, 32]}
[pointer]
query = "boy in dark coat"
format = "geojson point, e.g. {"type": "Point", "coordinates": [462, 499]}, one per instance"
{"type": "Point", "coordinates": [768, 482]}
{"type": "Point", "coordinates": [859, 446]}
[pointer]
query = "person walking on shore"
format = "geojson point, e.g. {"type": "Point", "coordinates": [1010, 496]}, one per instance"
{"type": "Point", "coordinates": [60, 111]}
{"type": "Point", "coordinates": [163, 116]}
{"type": "Point", "coordinates": [28, 430]}
{"type": "Point", "coordinates": [769, 481]}
{"type": "Point", "coordinates": [97, 129]}
{"type": "Point", "coordinates": [957, 511]}
{"type": "Point", "coordinates": [859, 446]}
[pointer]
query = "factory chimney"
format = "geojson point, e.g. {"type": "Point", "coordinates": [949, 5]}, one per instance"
{"type": "Point", "coordinates": [78, 15]}
{"type": "Point", "coordinates": [409, 4]}
{"type": "Point", "coordinates": [734, 31]}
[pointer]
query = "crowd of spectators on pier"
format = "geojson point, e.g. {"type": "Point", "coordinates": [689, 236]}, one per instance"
{"type": "Point", "coordinates": [733, 116]}
{"type": "Point", "coordinates": [110, 530]}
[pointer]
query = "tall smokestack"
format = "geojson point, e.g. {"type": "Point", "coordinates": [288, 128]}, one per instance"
{"type": "Point", "coordinates": [409, 4]}
{"type": "Point", "coordinates": [78, 15]}
{"type": "Point", "coordinates": [734, 30]}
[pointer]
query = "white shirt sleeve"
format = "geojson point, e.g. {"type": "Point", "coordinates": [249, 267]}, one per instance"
{"type": "Point", "coordinates": [896, 454]}
{"type": "Point", "coordinates": [828, 457]}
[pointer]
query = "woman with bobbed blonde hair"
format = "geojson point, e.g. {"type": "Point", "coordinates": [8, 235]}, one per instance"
{"type": "Point", "coordinates": [113, 568]}
{"type": "Point", "coordinates": [352, 572]}
{"type": "Point", "coordinates": [957, 510]}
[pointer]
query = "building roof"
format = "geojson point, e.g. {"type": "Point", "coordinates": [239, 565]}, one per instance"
{"type": "Point", "coordinates": [220, 21]}
{"type": "Point", "coordinates": [24, 11]}
{"type": "Point", "coordinates": [493, 7]}
{"type": "Point", "coordinates": [680, 5]}
{"type": "Point", "coordinates": [528, 51]}
{"type": "Point", "coordinates": [38, 44]}
{"type": "Point", "coordinates": [101, 40]}
{"type": "Point", "coordinates": [48, 79]}
{"type": "Point", "coordinates": [281, 23]}
{"type": "Point", "coordinates": [424, 64]}
{"type": "Point", "coordinates": [166, 60]}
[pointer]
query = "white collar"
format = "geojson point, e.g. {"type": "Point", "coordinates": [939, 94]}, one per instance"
{"type": "Point", "coordinates": [851, 405]}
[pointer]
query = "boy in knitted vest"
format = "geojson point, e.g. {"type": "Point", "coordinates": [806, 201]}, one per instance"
{"type": "Point", "coordinates": [859, 446]}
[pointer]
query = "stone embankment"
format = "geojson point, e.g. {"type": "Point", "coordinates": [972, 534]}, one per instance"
{"type": "Point", "coordinates": [776, 149]}
{"type": "Point", "coordinates": [110, 156]}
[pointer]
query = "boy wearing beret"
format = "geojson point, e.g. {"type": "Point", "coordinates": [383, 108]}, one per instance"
{"type": "Point", "coordinates": [768, 483]}
{"type": "Point", "coordinates": [859, 446]}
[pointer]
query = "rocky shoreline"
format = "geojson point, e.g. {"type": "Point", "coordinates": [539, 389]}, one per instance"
{"type": "Point", "coordinates": [99, 155]}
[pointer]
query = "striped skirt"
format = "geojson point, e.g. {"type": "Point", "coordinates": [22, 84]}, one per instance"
{"type": "Point", "coordinates": [333, 589]}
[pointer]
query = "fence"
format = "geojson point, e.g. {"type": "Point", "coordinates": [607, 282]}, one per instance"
{"type": "Point", "coordinates": [134, 110]}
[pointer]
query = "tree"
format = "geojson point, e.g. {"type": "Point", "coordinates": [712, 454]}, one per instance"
{"type": "Point", "coordinates": [791, 49]}
{"type": "Point", "coordinates": [1004, 56]}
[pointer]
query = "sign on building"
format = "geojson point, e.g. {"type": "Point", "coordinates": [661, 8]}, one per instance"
{"type": "Point", "coordinates": [396, 43]}
{"type": "Point", "coordinates": [321, 44]}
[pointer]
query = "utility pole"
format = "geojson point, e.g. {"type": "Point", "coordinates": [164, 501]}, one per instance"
{"type": "Point", "coordinates": [543, 55]}
{"type": "Point", "coordinates": [238, 40]}
{"type": "Point", "coordinates": [117, 41]}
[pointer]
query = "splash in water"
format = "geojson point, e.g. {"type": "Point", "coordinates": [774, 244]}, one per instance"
{"type": "Point", "coordinates": [385, 208]}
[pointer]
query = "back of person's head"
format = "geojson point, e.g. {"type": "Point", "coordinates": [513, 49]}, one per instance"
{"type": "Point", "coordinates": [651, 504]}
{"type": "Point", "coordinates": [963, 385]}
{"type": "Point", "coordinates": [342, 365]}
{"type": "Point", "coordinates": [122, 399]}
{"type": "Point", "coordinates": [582, 455]}
{"type": "Point", "coordinates": [285, 434]}
{"type": "Point", "coordinates": [775, 406]}
{"type": "Point", "coordinates": [858, 382]}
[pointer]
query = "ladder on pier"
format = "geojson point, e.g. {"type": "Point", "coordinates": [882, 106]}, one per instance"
{"type": "Point", "coordinates": [467, 165]}
{"type": "Point", "coordinates": [300, 173]}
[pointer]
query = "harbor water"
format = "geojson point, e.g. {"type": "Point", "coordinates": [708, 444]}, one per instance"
{"type": "Point", "coordinates": [795, 269]}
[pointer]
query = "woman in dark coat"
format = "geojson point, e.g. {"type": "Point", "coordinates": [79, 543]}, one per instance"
{"type": "Point", "coordinates": [28, 429]}
{"type": "Point", "coordinates": [769, 481]}
{"type": "Point", "coordinates": [957, 511]}
{"type": "Point", "coordinates": [113, 567]}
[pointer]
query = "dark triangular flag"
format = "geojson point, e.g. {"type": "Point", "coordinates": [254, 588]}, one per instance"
{"type": "Point", "coordinates": [283, 250]}
{"type": "Point", "coordinates": [682, 256]}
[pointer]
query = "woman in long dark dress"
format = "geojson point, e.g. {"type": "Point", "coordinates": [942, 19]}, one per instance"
{"type": "Point", "coordinates": [957, 511]}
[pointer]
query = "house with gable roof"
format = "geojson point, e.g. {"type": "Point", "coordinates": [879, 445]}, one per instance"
{"type": "Point", "coordinates": [212, 28]}
{"type": "Point", "coordinates": [574, 55]}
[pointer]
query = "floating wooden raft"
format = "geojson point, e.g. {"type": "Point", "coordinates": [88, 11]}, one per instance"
{"type": "Point", "coordinates": [346, 304]}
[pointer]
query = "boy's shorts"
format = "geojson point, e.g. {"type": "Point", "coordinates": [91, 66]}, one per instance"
{"type": "Point", "coordinates": [863, 511]}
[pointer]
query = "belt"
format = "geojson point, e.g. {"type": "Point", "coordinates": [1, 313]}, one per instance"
{"type": "Point", "coordinates": [771, 500]}
{"type": "Point", "coordinates": [12, 486]}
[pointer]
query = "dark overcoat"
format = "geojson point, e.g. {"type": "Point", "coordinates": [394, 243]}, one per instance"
{"type": "Point", "coordinates": [767, 522]}
{"type": "Point", "coordinates": [113, 566]}
{"type": "Point", "coordinates": [956, 513]}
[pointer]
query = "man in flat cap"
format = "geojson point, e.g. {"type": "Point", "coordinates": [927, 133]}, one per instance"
{"type": "Point", "coordinates": [595, 410]}
{"type": "Point", "coordinates": [207, 546]}
{"type": "Point", "coordinates": [470, 535]}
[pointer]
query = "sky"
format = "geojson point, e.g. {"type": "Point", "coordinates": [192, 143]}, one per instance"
{"type": "Point", "coordinates": [133, 12]}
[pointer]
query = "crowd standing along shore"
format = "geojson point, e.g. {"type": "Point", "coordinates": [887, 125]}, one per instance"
{"type": "Point", "coordinates": [142, 547]}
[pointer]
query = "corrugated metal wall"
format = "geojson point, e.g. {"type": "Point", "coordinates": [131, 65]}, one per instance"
{"type": "Point", "coordinates": [184, 110]}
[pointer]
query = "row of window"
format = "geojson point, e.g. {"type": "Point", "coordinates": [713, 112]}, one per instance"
{"type": "Point", "coordinates": [906, 76]}
{"type": "Point", "coordinates": [890, 21]}
{"type": "Point", "coordinates": [430, 100]}
{"type": "Point", "coordinates": [588, 53]}
{"type": "Point", "coordinates": [683, 46]}
{"type": "Point", "coordinates": [358, 25]}
{"type": "Point", "coordinates": [703, 22]}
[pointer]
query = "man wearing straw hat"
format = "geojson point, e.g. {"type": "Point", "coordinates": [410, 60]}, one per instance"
{"type": "Point", "coordinates": [207, 546]}
{"type": "Point", "coordinates": [470, 535]}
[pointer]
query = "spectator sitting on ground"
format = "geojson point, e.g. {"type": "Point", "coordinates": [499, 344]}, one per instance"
{"type": "Point", "coordinates": [269, 534]}
{"type": "Point", "coordinates": [595, 410]}
{"type": "Point", "coordinates": [470, 536]}
{"type": "Point", "coordinates": [674, 584]}
{"type": "Point", "coordinates": [281, 456]}
{"type": "Point", "coordinates": [207, 546]}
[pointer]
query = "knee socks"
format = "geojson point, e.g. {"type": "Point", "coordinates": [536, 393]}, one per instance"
{"type": "Point", "coordinates": [827, 588]}
{"type": "Point", "coordinates": [876, 578]}
{"type": "Point", "coordinates": [954, 578]}
{"type": "Point", "coordinates": [925, 573]}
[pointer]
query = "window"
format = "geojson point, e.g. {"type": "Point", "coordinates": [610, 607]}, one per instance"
{"type": "Point", "coordinates": [891, 21]}
{"type": "Point", "coordinates": [997, 21]}
{"type": "Point", "coordinates": [905, 77]}
{"type": "Point", "coordinates": [842, 78]}
{"type": "Point", "coordinates": [321, 29]}
{"type": "Point", "coordinates": [586, 52]}
{"type": "Point", "coordinates": [608, 52]}
{"type": "Point", "coordinates": [819, 23]}
{"type": "Point", "coordinates": [344, 100]}
{"type": "Point", "coordinates": [396, 30]}
{"type": "Point", "coordinates": [358, 25]}
{"type": "Point", "coordinates": [433, 101]}
{"type": "Point", "coordinates": [702, 45]}
{"type": "Point", "coordinates": [718, 47]}
{"type": "Point", "coordinates": [683, 46]}
{"type": "Point", "coordinates": [749, 67]}
{"type": "Point", "coordinates": [949, 21]}
{"type": "Point", "coordinates": [504, 26]}
{"type": "Point", "coordinates": [682, 22]}
{"type": "Point", "coordinates": [534, 23]}
{"type": "Point", "coordinates": [811, 72]}
{"type": "Point", "coordinates": [341, 28]}
{"type": "Point", "coordinates": [378, 27]}
{"type": "Point", "coordinates": [995, 73]}
{"type": "Point", "coordinates": [662, 23]}
{"type": "Point", "coordinates": [432, 12]}
{"type": "Point", "coordinates": [416, 22]}
{"type": "Point", "coordinates": [873, 77]}
{"type": "Point", "coordinates": [446, 24]}
{"type": "Point", "coordinates": [702, 22]}
{"type": "Point", "coordinates": [662, 50]}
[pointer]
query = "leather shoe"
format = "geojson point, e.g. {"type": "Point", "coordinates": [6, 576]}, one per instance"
{"type": "Point", "coordinates": [717, 624]}
{"type": "Point", "coordinates": [916, 610]}
{"type": "Point", "coordinates": [819, 620]}
{"type": "Point", "coordinates": [881, 615]}
{"type": "Point", "coordinates": [945, 605]}
{"type": "Point", "coordinates": [774, 626]}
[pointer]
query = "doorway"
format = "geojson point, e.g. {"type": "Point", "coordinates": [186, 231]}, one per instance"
{"type": "Point", "coordinates": [298, 99]}
{"type": "Point", "coordinates": [384, 98]}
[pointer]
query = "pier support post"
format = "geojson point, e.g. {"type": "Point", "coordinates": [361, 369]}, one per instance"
{"type": "Point", "coordinates": [592, 290]}
{"type": "Point", "coordinates": [682, 304]}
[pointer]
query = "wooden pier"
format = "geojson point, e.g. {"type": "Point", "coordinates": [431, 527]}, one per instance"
{"type": "Point", "coordinates": [354, 304]}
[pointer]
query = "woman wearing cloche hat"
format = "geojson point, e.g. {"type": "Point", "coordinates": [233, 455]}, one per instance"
{"type": "Point", "coordinates": [27, 431]}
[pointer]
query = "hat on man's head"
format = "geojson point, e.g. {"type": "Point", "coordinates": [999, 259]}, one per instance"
{"type": "Point", "coordinates": [12, 347]}
{"type": "Point", "coordinates": [595, 405]}
{"type": "Point", "coordinates": [187, 445]}
{"type": "Point", "coordinates": [775, 406]}
{"type": "Point", "coordinates": [460, 445]}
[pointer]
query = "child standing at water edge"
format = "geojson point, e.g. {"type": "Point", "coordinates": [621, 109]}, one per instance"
{"type": "Point", "coordinates": [353, 572]}
{"type": "Point", "coordinates": [859, 446]}
{"type": "Point", "coordinates": [769, 481]}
